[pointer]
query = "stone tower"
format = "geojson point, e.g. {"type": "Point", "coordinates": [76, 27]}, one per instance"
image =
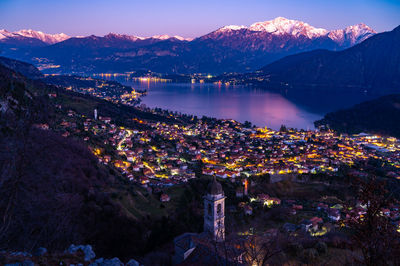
{"type": "Point", "coordinates": [214, 211]}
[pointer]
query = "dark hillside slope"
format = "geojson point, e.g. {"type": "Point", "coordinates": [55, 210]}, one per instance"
{"type": "Point", "coordinates": [54, 192]}
{"type": "Point", "coordinates": [380, 116]}
{"type": "Point", "coordinates": [23, 68]}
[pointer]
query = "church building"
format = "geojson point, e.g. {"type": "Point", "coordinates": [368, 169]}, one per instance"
{"type": "Point", "coordinates": [214, 211]}
{"type": "Point", "coordinates": [205, 248]}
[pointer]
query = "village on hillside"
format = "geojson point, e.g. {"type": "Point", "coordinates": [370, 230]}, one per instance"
{"type": "Point", "coordinates": [159, 155]}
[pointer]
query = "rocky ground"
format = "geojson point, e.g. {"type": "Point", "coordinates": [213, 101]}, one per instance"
{"type": "Point", "coordinates": [75, 255]}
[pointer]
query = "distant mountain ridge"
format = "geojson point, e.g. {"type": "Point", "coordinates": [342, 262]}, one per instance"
{"type": "Point", "coordinates": [228, 49]}
{"type": "Point", "coordinates": [49, 39]}
{"type": "Point", "coordinates": [38, 35]}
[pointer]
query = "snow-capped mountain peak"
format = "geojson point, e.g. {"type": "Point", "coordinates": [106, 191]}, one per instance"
{"type": "Point", "coordinates": [6, 34]}
{"type": "Point", "coordinates": [44, 37]}
{"type": "Point", "coordinates": [351, 34]}
{"type": "Point", "coordinates": [281, 25]}
{"type": "Point", "coordinates": [124, 36]}
{"type": "Point", "coordinates": [161, 37]}
{"type": "Point", "coordinates": [166, 37]}
{"type": "Point", "coordinates": [135, 38]}
{"type": "Point", "coordinates": [182, 38]}
{"type": "Point", "coordinates": [232, 27]}
{"type": "Point", "coordinates": [359, 29]}
{"type": "Point", "coordinates": [3, 34]}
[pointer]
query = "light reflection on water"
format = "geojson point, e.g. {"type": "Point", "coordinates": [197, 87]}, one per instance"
{"type": "Point", "coordinates": [261, 107]}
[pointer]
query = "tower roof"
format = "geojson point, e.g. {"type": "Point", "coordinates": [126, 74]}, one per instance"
{"type": "Point", "coordinates": [214, 188]}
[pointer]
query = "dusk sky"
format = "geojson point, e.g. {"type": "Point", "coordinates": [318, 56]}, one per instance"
{"type": "Point", "coordinates": [188, 18]}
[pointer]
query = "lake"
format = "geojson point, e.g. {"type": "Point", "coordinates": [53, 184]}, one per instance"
{"type": "Point", "coordinates": [260, 107]}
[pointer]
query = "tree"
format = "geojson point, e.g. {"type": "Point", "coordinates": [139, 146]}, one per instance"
{"type": "Point", "coordinates": [373, 232]}
{"type": "Point", "coordinates": [247, 124]}
{"type": "Point", "coordinates": [283, 128]}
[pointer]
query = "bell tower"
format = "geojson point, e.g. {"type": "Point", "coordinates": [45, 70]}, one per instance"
{"type": "Point", "coordinates": [214, 211]}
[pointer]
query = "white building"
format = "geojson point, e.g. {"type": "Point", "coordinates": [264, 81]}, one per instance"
{"type": "Point", "coordinates": [214, 211]}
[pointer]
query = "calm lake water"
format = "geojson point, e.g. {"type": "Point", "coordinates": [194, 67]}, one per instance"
{"type": "Point", "coordinates": [261, 107]}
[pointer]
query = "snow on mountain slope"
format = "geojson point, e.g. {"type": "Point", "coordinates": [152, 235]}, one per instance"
{"type": "Point", "coordinates": [167, 37]}
{"type": "Point", "coordinates": [123, 37]}
{"type": "Point", "coordinates": [282, 26]}
{"type": "Point", "coordinates": [352, 34]}
{"type": "Point", "coordinates": [232, 27]}
{"type": "Point", "coordinates": [135, 38]}
{"type": "Point", "coordinates": [56, 38]}
{"type": "Point", "coordinates": [6, 34]}
{"type": "Point", "coordinates": [44, 37]}
{"type": "Point", "coordinates": [182, 38]}
{"type": "Point", "coordinates": [23, 34]}
{"type": "Point", "coordinates": [160, 37]}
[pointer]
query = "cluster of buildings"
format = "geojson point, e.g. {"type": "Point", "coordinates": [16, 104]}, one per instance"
{"type": "Point", "coordinates": [228, 150]}
{"type": "Point", "coordinates": [106, 90]}
{"type": "Point", "coordinates": [327, 216]}
{"type": "Point", "coordinates": [315, 218]}
{"type": "Point", "coordinates": [158, 154]}
{"type": "Point", "coordinates": [164, 154]}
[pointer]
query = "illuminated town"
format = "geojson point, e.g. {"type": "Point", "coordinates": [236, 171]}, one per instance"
{"type": "Point", "coordinates": [228, 150]}
{"type": "Point", "coordinates": [160, 155]}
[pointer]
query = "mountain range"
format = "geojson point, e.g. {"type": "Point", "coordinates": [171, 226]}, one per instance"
{"type": "Point", "coordinates": [281, 33]}
{"type": "Point", "coordinates": [227, 49]}
{"type": "Point", "coordinates": [24, 37]}
{"type": "Point", "coordinates": [372, 64]}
